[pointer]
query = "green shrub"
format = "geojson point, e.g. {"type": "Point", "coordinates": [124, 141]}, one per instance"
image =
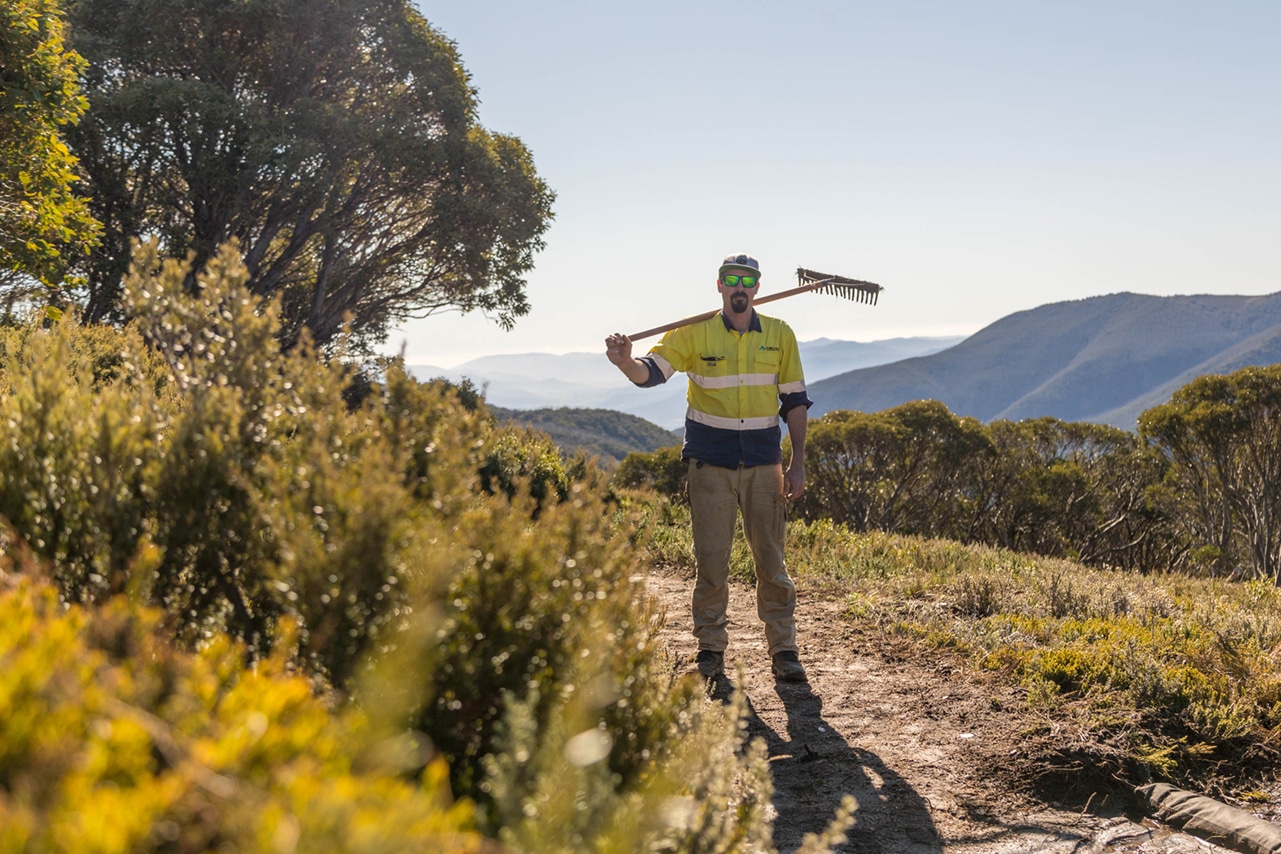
{"type": "Point", "coordinates": [79, 445]}
{"type": "Point", "coordinates": [273, 498]}
{"type": "Point", "coordinates": [662, 471]}
{"type": "Point", "coordinates": [437, 433]}
{"type": "Point", "coordinates": [519, 458]}
{"type": "Point", "coordinates": [542, 610]}
{"type": "Point", "coordinates": [216, 476]}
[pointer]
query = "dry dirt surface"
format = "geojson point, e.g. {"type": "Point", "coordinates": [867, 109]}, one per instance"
{"type": "Point", "coordinates": [925, 746]}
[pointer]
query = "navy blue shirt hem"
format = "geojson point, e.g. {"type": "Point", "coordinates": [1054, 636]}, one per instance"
{"type": "Point", "coordinates": [732, 448]}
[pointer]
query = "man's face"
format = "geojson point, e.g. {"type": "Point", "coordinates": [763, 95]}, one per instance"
{"type": "Point", "coordinates": [738, 297]}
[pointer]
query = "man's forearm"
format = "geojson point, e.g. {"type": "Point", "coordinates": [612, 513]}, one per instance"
{"type": "Point", "coordinates": [797, 424]}
{"type": "Point", "coordinates": [618, 347]}
{"type": "Point", "coordinates": [794, 478]}
{"type": "Point", "coordinates": [635, 370]}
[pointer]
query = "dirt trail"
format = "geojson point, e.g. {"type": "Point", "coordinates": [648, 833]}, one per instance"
{"type": "Point", "coordinates": [917, 742]}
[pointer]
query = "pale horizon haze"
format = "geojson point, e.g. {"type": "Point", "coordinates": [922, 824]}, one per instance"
{"type": "Point", "coordinates": [976, 159]}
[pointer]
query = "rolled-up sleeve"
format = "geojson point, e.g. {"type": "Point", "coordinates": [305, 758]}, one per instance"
{"type": "Point", "coordinates": [669, 355]}
{"type": "Point", "coordinates": [657, 374]}
{"type": "Point", "coordinates": [791, 400]}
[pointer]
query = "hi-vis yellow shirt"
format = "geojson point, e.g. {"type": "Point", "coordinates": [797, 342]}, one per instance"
{"type": "Point", "coordinates": [739, 386]}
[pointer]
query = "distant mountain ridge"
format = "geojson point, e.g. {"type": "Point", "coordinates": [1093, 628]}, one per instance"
{"type": "Point", "coordinates": [1103, 359]}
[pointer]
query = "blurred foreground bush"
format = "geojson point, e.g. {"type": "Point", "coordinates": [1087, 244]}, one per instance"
{"type": "Point", "coordinates": [459, 584]}
{"type": "Point", "coordinates": [113, 741]}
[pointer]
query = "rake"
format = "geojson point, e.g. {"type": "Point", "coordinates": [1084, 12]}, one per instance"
{"type": "Point", "coordinates": [807, 282]}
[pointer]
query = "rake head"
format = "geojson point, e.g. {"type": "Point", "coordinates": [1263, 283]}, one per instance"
{"type": "Point", "coordinates": [855, 289]}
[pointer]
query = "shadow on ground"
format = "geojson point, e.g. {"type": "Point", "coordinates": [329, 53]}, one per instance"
{"type": "Point", "coordinates": [814, 768]}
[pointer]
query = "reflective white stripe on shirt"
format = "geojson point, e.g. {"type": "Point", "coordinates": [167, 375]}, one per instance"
{"type": "Point", "coordinates": [733, 380]}
{"type": "Point", "coordinates": [763, 423]}
{"type": "Point", "coordinates": [791, 388]}
{"type": "Point", "coordinates": [664, 366]}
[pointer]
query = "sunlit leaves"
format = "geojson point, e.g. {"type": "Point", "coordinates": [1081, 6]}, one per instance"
{"type": "Point", "coordinates": [43, 226]}
{"type": "Point", "coordinates": [113, 741]}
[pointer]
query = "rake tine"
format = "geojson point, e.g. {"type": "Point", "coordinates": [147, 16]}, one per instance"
{"type": "Point", "coordinates": [855, 289]}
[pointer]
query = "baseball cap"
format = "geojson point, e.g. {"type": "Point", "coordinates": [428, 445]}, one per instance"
{"type": "Point", "coordinates": [739, 261]}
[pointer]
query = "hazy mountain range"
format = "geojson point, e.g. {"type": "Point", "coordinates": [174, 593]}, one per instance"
{"type": "Point", "coordinates": [547, 381]}
{"type": "Point", "coordinates": [1103, 359]}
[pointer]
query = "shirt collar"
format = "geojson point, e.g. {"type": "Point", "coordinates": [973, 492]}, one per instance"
{"type": "Point", "coordinates": [754, 326]}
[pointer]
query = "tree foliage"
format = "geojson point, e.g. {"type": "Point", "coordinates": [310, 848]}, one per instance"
{"type": "Point", "coordinates": [1051, 487]}
{"type": "Point", "coordinates": [1071, 489]}
{"type": "Point", "coordinates": [336, 140]}
{"type": "Point", "coordinates": [899, 470]}
{"type": "Point", "coordinates": [1222, 437]}
{"type": "Point", "coordinates": [43, 225]}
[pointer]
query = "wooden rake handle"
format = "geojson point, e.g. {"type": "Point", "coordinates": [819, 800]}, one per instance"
{"type": "Point", "coordinates": [854, 289]}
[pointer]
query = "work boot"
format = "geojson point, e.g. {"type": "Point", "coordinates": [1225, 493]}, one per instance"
{"type": "Point", "coordinates": [710, 663]}
{"type": "Point", "coordinates": [787, 667]}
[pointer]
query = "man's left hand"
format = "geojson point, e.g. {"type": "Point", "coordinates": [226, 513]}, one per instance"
{"type": "Point", "coordinates": [793, 482]}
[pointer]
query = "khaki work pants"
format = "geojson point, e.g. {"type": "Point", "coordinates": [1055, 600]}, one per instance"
{"type": "Point", "coordinates": [716, 496]}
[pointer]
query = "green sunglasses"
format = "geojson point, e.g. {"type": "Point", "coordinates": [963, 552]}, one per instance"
{"type": "Point", "coordinates": [736, 281]}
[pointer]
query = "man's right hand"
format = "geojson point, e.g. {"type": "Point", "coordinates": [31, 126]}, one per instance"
{"type": "Point", "coordinates": [618, 347]}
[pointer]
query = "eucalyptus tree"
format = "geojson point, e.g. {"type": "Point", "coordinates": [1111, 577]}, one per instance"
{"type": "Point", "coordinates": [336, 141]}
{"type": "Point", "coordinates": [1073, 489]}
{"type": "Point", "coordinates": [1222, 437]}
{"type": "Point", "coordinates": [903, 469]}
{"type": "Point", "coordinates": [42, 223]}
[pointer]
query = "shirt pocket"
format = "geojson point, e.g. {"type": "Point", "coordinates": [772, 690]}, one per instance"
{"type": "Point", "coordinates": [766, 362]}
{"type": "Point", "coordinates": [711, 365]}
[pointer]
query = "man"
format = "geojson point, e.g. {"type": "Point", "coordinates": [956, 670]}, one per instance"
{"type": "Point", "coordinates": [744, 373]}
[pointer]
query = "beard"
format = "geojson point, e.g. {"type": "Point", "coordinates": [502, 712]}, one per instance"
{"type": "Point", "coordinates": [739, 302]}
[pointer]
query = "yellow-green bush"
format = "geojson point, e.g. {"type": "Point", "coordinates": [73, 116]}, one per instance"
{"type": "Point", "coordinates": [113, 741]}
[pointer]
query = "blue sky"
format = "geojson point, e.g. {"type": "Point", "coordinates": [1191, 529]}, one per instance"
{"type": "Point", "coordinates": [974, 158]}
